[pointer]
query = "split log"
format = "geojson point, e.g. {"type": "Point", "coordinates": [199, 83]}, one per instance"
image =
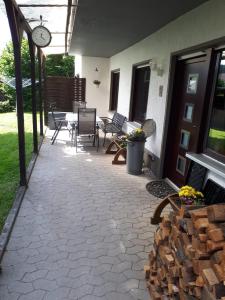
{"type": "Point", "coordinates": [216, 213]}
{"type": "Point", "coordinates": [188, 260]}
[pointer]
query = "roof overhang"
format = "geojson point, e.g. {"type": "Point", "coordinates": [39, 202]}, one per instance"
{"type": "Point", "coordinates": [105, 27]}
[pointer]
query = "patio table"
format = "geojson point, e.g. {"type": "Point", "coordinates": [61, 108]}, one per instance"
{"type": "Point", "coordinates": [72, 118]}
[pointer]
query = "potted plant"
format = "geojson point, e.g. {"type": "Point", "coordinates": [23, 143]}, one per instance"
{"type": "Point", "coordinates": [190, 196]}
{"type": "Point", "coordinates": [97, 82]}
{"type": "Point", "coordinates": [187, 199]}
{"type": "Point", "coordinates": [135, 151]}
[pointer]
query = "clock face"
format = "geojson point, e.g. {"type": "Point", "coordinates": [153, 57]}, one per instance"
{"type": "Point", "coordinates": [41, 36]}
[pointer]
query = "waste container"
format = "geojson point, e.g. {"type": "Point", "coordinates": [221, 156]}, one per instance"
{"type": "Point", "coordinates": [135, 153]}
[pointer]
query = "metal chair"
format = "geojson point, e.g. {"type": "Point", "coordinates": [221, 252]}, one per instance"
{"type": "Point", "coordinates": [86, 126]}
{"type": "Point", "coordinates": [59, 122]}
{"type": "Point", "coordinates": [78, 104]}
{"type": "Point", "coordinates": [113, 126]}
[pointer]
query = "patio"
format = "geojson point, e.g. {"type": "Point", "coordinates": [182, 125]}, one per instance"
{"type": "Point", "coordinates": [83, 231]}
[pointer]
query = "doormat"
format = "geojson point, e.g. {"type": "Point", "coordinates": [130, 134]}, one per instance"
{"type": "Point", "coordinates": [159, 188]}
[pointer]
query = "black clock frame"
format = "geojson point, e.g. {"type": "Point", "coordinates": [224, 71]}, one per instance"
{"type": "Point", "coordinates": [46, 30]}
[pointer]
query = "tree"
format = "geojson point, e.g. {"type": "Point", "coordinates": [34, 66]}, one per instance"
{"type": "Point", "coordinates": [56, 65]}
{"type": "Point", "coordinates": [59, 65]}
{"type": "Point", "coordinates": [7, 69]}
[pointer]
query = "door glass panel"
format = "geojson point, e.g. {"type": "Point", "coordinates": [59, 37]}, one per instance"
{"type": "Point", "coordinates": [184, 139]}
{"type": "Point", "coordinates": [192, 84]}
{"type": "Point", "coordinates": [140, 94]}
{"type": "Point", "coordinates": [216, 134]}
{"type": "Point", "coordinates": [188, 112]}
{"type": "Point", "coordinates": [181, 164]}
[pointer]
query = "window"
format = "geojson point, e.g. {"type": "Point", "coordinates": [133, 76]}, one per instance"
{"type": "Point", "coordinates": [139, 92]}
{"type": "Point", "coordinates": [115, 78]}
{"type": "Point", "coordinates": [216, 133]}
{"type": "Point", "coordinates": [184, 140]}
{"type": "Point", "coordinates": [188, 112]}
{"type": "Point", "coordinates": [181, 164]}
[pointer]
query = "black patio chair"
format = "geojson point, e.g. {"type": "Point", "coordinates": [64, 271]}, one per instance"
{"type": "Point", "coordinates": [86, 126]}
{"type": "Point", "coordinates": [113, 126]}
{"type": "Point", "coordinates": [78, 104]}
{"type": "Point", "coordinates": [59, 123]}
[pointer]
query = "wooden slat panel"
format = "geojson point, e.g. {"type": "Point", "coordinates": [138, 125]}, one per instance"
{"type": "Point", "coordinates": [63, 91]}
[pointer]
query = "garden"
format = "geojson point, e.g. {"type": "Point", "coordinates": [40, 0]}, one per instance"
{"type": "Point", "coordinates": [56, 65]}
{"type": "Point", "coordinates": [9, 164]}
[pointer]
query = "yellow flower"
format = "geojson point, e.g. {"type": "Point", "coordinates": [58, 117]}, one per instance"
{"type": "Point", "coordinates": [186, 187]}
{"type": "Point", "coordinates": [139, 130]}
{"type": "Point", "coordinates": [199, 194]}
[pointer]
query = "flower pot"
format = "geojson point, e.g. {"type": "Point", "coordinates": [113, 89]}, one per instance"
{"type": "Point", "coordinates": [177, 205]}
{"type": "Point", "coordinates": [135, 152]}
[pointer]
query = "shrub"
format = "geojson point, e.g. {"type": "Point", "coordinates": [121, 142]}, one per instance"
{"type": "Point", "coordinates": [5, 107]}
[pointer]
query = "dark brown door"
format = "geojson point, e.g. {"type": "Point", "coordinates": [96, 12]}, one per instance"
{"type": "Point", "coordinates": [115, 79]}
{"type": "Point", "coordinates": [141, 77]}
{"type": "Point", "coordinates": [187, 114]}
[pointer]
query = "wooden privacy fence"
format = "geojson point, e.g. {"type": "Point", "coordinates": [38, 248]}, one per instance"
{"type": "Point", "coordinates": [62, 91]}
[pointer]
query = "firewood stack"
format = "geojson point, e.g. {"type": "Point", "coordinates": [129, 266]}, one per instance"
{"type": "Point", "coordinates": [188, 260]}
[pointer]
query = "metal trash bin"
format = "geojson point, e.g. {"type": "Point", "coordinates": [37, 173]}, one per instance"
{"type": "Point", "coordinates": [135, 153]}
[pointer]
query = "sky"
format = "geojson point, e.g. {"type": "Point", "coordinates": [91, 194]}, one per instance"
{"type": "Point", "coordinates": [5, 35]}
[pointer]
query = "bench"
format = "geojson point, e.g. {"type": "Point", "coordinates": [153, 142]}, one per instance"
{"type": "Point", "coordinates": [113, 126]}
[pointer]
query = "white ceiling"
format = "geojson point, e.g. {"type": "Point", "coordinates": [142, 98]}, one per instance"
{"type": "Point", "coordinates": [105, 27]}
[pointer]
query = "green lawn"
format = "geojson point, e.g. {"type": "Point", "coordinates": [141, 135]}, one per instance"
{"type": "Point", "coordinates": [217, 140]}
{"type": "Point", "coordinates": [9, 164]}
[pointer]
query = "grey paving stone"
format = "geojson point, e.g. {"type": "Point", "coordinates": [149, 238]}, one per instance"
{"type": "Point", "coordinates": [108, 260]}
{"type": "Point", "coordinates": [101, 269]}
{"type": "Point", "coordinates": [119, 268]}
{"type": "Point", "coordinates": [36, 295]}
{"type": "Point", "coordinates": [57, 294]}
{"type": "Point", "coordinates": [45, 284]}
{"type": "Point", "coordinates": [118, 296]}
{"type": "Point", "coordinates": [104, 289]}
{"type": "Point", "coordinates": [135, 249]}
{"type": "Point", "coordinates": [54, 274]}
{"type": "Point", "coordinates": [20, 287]}
{"type": "Point", "coordinates": [83, 230]}
{"type": "Point", "coordinates": [79, 271]}
{"type": "Point", "coordinates": [128, 285]}
{"type": "Point", "coordinates": [131, 274]}
{"type": "Point", "coordinates": [140, 294]}
{"type": "Point", "coordinates": [80, 292]}
{"type": "Point", "coordinates": [5, 294]}
{"type": "Point", "coordinates": [29, 277]}
{"type": "Point", "coordinates": [92, 297]}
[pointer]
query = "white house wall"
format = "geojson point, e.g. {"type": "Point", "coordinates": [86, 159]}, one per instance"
{"type": "Point", "coordinates": [200, 25]}
{"type": "Point", "coordinates": [96, 97]}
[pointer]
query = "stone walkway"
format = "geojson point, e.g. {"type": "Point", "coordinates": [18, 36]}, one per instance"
{"type": "Point", "coordinates": [83, 231]}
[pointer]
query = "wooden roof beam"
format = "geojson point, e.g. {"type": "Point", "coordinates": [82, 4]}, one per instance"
{"type": "Point", "coordinates": [68, 24]}
{"type": "Point", "coordinates": [46, 5]}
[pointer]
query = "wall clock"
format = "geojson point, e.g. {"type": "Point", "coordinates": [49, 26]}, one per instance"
{"type": "Point", "coordinates": [41, 36]}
